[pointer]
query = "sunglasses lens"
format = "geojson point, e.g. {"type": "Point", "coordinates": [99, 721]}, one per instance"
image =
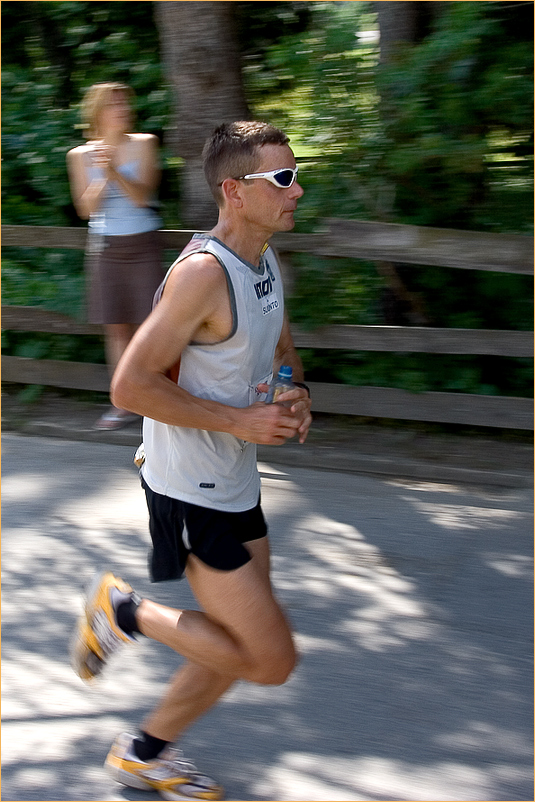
{"type": "Point", "coordinates": [284, 178]}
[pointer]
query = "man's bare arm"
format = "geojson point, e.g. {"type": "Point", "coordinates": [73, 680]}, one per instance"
{"type": "Point", "coordinates": [190, 309]}
{"type": "Point", "coordinates": [286, 354]}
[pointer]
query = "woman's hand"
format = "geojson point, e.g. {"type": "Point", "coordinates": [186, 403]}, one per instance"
{"type": "Point", "coordinates": [103, 156]}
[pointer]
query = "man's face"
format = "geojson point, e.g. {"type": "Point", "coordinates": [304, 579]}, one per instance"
{"type": "Point", "coordinates": [266, 205]}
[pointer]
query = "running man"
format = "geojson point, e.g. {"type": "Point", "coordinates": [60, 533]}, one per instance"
{"type": "Point", "coordinates": [196, 370]}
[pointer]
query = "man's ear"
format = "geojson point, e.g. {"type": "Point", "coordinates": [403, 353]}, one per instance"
{"type": "Point", "coordinates": [232, 192]}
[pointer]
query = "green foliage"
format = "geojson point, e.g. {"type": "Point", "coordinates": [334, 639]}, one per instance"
{"type": "Point", "coordinates": [459, 119]}
{"type": "Point", "coordinates": [54, 346]}
{"type": "Point", "coordinates": [352, 289]}
{"type": "Point", "coordinates": [52, 279]}
{"type": "Point", "coordinates": [320, 87]}
{"type": "Point", "coordinates": [442, 137]}
{"type": "Point", "coordinates": [52, 285]}
{"type": "Point", "coordinates": [422, 373]}
{"type": "Point", "coordinates": [34, 186]}
{"type": "Point", "coordinates": [51, 53]}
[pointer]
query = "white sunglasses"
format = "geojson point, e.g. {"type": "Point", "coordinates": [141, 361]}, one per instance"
{"type": "Point", "coordinates": [281, 178]}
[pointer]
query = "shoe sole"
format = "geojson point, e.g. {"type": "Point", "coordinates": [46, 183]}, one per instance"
{"type": "Point", "coordinates": [84, 661]}
{"type": "Point", "coordinates": [113, 767]}
{"type": "Point", "coordinates": [135, 781]}
{"type": "Point", "coordinates": [177, 798]}
{"type": "Point", "coordinates": [126, 777]}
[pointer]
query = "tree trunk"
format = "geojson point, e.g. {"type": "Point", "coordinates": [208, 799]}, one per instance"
{"type": "Point", "coordinates": [401, 24]}
{"type": "Point", "coordinates": [202, 62]}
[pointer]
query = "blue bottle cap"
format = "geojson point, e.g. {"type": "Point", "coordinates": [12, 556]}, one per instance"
{"type": "Point", "coordinates": [285, 372]}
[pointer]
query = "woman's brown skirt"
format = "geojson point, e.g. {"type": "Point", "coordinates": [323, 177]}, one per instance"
{"type": "Point", "coordinates": [124, 272]}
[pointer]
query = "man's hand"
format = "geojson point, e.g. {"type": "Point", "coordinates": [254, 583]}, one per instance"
{"type": "Point", "coordinates": [296, 402]}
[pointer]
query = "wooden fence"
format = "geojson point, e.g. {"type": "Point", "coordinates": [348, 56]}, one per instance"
{"type": "Point", "coordinates": [339, 238]}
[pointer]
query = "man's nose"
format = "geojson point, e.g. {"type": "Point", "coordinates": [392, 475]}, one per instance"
{"type": "Point", "coordinates": [298, 190]}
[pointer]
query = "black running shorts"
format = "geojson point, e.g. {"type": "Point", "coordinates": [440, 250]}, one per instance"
{"type": "Point", "coordinates": [216, 537]}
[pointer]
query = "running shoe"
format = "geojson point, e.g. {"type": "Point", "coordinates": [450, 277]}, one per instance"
{"type": "Point", "coordinates": [97, 634]}
{"type": "Point", "coordinates": [170, 774]}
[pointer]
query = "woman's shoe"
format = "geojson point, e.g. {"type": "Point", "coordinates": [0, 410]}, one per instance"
{"type": "Point", "coordinates": [115, 419]}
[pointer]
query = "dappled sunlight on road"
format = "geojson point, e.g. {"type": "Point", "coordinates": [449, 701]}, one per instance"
{"type": "Point", "coordinates": [410, 609]}
{"type": "Point", "coordinates": [450, 516]}
{"type": "Point", "coordinates": [383, 599]}
{"type": "Point", "coordinates": [378, 778]}
{"type": "Point", "coordinates": [512, 565]}
{"type": "Point", "coordinates": [403, 583]}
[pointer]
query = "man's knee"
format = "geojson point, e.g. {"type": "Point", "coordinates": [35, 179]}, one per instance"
{"type": "Point", "coordinates": [278, 670]}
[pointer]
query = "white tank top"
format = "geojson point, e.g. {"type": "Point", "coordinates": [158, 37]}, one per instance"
{"type": "Point", "coordinates": [216, 469]}
{"type": "Point", "coordinates": [118, 215]}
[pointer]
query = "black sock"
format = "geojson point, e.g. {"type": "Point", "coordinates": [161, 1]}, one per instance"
{"type": "Point", "coordinates": [147, 747]}
{"type": "Point", "coordinates": [126, 616]}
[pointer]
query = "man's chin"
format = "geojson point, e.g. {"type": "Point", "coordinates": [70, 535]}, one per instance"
{"type": "Point", "coordinates": [288, 222]}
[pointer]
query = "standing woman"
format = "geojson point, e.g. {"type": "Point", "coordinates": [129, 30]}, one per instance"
{"type": "Point", "coordinates": [114, 178]}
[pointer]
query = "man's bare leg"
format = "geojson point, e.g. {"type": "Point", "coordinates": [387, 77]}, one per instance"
{"type": "Point", "coordinates": [195, 688]}
{"type": "Point", "coordinates": [242, 632]}
{"type": "Point", "coordinates": [192, 691]}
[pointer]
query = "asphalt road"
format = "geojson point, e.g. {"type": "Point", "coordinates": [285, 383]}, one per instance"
{"type": "Point", "coordinates": [412, 602]}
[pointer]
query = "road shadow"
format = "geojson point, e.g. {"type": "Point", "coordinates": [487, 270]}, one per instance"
{"type": "Point", "coordinates": [411, 605]}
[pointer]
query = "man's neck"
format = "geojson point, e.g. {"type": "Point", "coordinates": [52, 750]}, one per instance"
{"type": "Point", "coordinates": [248, 243]}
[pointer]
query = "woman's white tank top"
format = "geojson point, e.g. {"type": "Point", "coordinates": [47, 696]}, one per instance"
{"type": "Point", "coordinates": [118, 215]}
{"type": "Point", "coordinates": [216, 469]}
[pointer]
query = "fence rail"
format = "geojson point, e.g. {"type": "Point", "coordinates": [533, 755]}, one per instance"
{"type": "Point", "coordinates": [340, 238]}
{"type": "Point", "coordinates": [469, 250]}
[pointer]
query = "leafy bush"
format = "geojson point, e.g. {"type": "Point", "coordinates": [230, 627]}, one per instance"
{"type": "Point", "coordinates": [442, 137]}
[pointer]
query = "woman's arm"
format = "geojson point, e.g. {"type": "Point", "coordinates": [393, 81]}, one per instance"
{"type": "Point", "coordinates": [140, 192]}
{"type": "Point", "coordinates": [86, 195]}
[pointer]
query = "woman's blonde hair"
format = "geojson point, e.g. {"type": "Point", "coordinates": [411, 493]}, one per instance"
{"type": "Point", "coordinates": [94, 101]}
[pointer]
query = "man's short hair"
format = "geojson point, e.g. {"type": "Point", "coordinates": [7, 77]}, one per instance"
{"type": "Point", "coordinates": [232, 151]}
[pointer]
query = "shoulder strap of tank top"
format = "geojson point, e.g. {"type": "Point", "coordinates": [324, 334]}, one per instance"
{"type": "Point", "coordinates": [195, 245]}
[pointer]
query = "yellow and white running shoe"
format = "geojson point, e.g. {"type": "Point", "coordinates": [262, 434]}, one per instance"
{"type": "Point", "coordinates": [97, 633]}
{"type": "Point", "coordinates": [170, 774]}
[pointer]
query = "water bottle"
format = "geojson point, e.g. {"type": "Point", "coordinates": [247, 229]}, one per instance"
{"type": "Point", "coordinates": [281, 384]}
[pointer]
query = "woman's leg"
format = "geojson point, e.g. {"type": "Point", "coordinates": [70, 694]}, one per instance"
{"type": "Point", "coordinates": [116, 338]}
